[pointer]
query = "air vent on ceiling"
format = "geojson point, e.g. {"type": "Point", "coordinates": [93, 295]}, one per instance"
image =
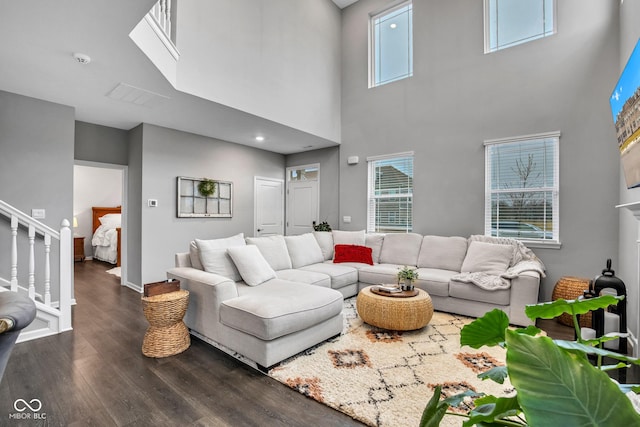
{"type": "Point", "coordinates": [134, 95]}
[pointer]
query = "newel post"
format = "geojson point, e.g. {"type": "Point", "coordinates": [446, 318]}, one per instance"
{"type": "Point", "coordinates": [66, 249]}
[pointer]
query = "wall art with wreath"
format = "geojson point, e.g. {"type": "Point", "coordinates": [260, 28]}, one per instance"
{"type": "Point", "coordinates": [204, 197]}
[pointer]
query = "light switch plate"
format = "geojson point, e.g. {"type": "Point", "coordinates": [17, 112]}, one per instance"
{"type": "Point", "coordinates": [38, 213]}
{"type": "Point", "coordinates": [346, 219]}
{"type": "Point", "coordinates": [152, 203]}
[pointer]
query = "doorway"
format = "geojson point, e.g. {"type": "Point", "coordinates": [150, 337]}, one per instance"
{"type": "Point", "coordinates": [105, 185]}
{"type": "Point", "coordinates": [303, 205]}
{"type": "Point", "coordinates": [269, 206]}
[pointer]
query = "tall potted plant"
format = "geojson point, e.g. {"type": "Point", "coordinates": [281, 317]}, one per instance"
{"type": "Point", "coordinates": [555, 383]}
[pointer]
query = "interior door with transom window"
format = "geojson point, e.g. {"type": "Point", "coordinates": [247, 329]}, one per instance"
{"type": "Point", "coordinates": [303, 207]}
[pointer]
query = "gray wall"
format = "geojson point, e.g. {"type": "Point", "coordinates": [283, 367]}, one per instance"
{"type": "Point", "coordinates": [458, 97]}
{"type": "Point", "coordinates": [157, 159]}
{"type": "Point", "coordinates": [329, 160]}
{"type": "Point", "coordinates": [36, 168]}
{"type": "Point", "coordinates": [96, 143]}
{"type": "Point", "coordinates": [278, 59]}
{"type": "Point", "coordinates": [628, 236]}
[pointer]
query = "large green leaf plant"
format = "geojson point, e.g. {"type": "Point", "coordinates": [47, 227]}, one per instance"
{"type": "Point", "coordinates": [555, 383]}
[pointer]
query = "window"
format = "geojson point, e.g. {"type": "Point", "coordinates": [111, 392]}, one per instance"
{"type": "Point", "coordinates": [391, 45]}
{"type": "Point", "coordinates": [511, 22]}
{"type": "Point", "coordinates": [521, 196]}
{"type": "Point", "coordinates": [390, 207]}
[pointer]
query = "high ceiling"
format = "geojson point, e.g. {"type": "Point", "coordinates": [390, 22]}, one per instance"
{"type": "Point", "coordinates": [40, 37]}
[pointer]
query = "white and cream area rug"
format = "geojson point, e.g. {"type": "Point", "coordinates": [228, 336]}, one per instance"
{"type": "Point", "coordinates": [385, 378]}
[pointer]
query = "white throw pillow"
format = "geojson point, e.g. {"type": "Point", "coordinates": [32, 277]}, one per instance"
{"type": "Point", "coordinates": [487, 258]}
{"type": "Point", "coordinates": [214, 257]}
{"type": "Point", "coordinates": [374, 241]}
{"type": "Point", "coordinates": [303, 250]}
{"type": "Point", "coordinates": [254, 269]}
{"type": "Point", "coordinates": [348, 237]}
{"type": "Point", "coordinates": [325, 240]}
{"type": "Point", "coordinates": [194, 256]}
{"type": "Point", "coordinates": [274, 250]}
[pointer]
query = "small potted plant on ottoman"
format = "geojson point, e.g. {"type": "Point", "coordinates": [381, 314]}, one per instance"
{"type": "Point", "coordinates": [406, 277]}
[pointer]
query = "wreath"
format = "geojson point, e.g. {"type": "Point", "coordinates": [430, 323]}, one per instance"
{"type": "Point", "coordinates": [207, 187]}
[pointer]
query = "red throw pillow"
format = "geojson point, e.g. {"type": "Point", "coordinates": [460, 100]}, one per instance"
{"type": "Point", "coordinates": [352, 253]}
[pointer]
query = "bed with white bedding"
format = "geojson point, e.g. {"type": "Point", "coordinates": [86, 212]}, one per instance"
{"type": "Point", "coordinates": [106, 234]}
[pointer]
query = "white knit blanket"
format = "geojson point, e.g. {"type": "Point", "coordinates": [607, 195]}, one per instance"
{"type": "Point", "coordinates": [523, 259]}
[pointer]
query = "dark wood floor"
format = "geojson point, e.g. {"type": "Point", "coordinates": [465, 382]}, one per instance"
{"type": "Point", "coordinates": [96, 375]}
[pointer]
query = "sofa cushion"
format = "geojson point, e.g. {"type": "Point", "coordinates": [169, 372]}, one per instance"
{"type": "Point", "coordinates": [446, 253]}
{"type": "Point", "coordinates": [348, 237]}
{"type": "Point", "coordinates": [215, 259]}
{"type": "Point", "coordinates": [352, 253]}
{"type": "Point", "coordinates": [279, 307]}
{"type": "Point", "coordinates": [471, 292]}
{"type": "Point", "coordinates": [435, 281]}
{"type": "Point", "coordinates": [303, 250]}
{"type": "Point", "coordinates": [273, 249]}
{"type": "Point", "coordinates": [254, 269]}
{"type": "Point", "coordinates": [487, 258]}
{"type": "Point", "coordinates": [308, 277]}
{"type": "Point", "coordinates": [374, 241]}
{"type": "Point", "coordinates": [379, 274]}
{"type": "Point", "coordinates": [194, 256]}
{"type": "Point", "coordinates": [325, 240]}
{"type": "Point", "coordinates": [340, 275]}
{"type": "Point", "coordinates": [401, 248]}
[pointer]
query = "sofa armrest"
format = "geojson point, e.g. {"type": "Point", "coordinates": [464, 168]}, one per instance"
{"type": "Point", "coordinates": [207, 291]}
{"type": "Point", "coordinates": [524, 291]}
{"type": "Point", "coordinates": [183, 259]}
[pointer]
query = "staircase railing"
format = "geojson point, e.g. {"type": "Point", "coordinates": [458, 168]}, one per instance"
{"type": "Point", "coordinates": [40, 239]}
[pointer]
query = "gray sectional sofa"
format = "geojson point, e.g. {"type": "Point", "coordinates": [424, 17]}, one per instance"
{"type": "Point", "coordinates": [268, 298]}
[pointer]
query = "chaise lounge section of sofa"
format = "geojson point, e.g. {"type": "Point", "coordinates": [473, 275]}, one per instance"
{"type": "Point", "coordinates": [269, 298]}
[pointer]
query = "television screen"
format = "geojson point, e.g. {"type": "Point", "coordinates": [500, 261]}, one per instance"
{"type": "Point", "coordinates": [625, 107]}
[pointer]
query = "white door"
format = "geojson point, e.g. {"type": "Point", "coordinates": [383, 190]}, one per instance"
{"type": "Point", "coordinates": [302, 198]}
{"type": "Point", "coordinates": [269, 206]}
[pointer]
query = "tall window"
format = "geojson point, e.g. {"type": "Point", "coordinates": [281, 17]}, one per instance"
{"type": "Point", "coordinates": [391, 45]}
{"type": "Point", "coordinates": [521, 198]}
{"type": "Point", "coordinates": [390, 208]}
{"type": "Point", "coordinates": [511, 22]}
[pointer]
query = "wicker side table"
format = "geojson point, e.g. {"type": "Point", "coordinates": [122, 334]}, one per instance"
{"type": "Point", "coordinates": [570, 288]}
{"type": "Point", "coordinates": [167, 334]}
{"type": "Point", "coordinates": [396, 314]}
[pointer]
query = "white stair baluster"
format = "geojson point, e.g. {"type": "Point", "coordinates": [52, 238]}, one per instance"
{"type": "Point", "coordinates": [47, 269]}
{"type": "Point", "coordinates": [14, 253]}
{"type": "Point", "coordinates": [167, 25]}
{"type": "Point", "coordinates": [32, 262]}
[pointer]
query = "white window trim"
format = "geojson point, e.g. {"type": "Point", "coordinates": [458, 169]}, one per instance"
{"type": "Point", "coordinates": [549, 244]}
{"type": "Point", "coordinates": [371, 159]}
{"type": "Point", "coordinates": [388, 9]}
{"type": "Point", "coordinates": [487, 37]}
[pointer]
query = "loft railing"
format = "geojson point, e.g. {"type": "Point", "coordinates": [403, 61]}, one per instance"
{"type": "Point", "coordinates": [40, 239]}
{"type": "Point", "coordinates": [161, 13]}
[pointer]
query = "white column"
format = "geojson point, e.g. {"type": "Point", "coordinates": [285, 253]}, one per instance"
{"type": "Point", "coordinates": [66, 250]}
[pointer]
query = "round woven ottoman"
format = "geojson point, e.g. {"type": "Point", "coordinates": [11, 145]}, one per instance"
{"type": "Point", "coordinates": [570, 288]}
{"type": "Point", "coordinates": [396, 314]}
{"type": "Point", "coordinates": [167, 334]}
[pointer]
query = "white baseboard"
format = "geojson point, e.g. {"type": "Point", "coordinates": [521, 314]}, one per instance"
{"type": "Point", "coordinates": [135, 287]}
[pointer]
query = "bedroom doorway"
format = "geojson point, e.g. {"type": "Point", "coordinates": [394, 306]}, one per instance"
{"type": "Point", "coordinates": [102, 185]}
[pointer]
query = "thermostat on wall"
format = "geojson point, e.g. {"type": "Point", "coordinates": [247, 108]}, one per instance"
{"type": "Point", "coordinates": [352, 160]}
{"type": "Point", "coordinates": [152, 203]}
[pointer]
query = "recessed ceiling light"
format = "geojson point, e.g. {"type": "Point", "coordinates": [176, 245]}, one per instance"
{"type": "Point", "coordinates": [259, 138]}
{"type": "Point", "coordinates": [393, 26]}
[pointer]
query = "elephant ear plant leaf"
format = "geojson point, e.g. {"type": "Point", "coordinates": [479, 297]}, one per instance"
{"type": "Point", "coordinates": [554, 381]}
